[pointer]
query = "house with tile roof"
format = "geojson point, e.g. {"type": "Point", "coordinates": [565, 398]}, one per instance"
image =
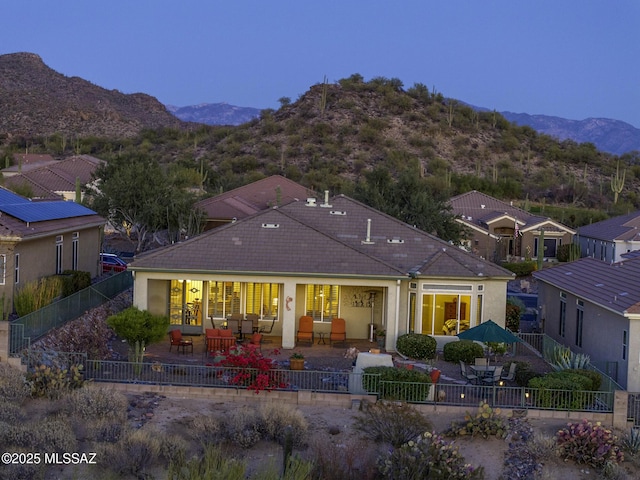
{"type": "Point", "coordinates": [593, 307]}
{"type": "Point", "coordinates": [501, 231]}
{"type": "Point", "coordinates": [325, 258]}
{"type": "Point", "coordinates": [23, 162]}
{"type": "Point", "coordinates": [241, 202]}
{"type": "Point", "coordinates": [42, 238]}
{"type": "Point", "coordinates": [612, 239]}
{"type": "Point", "coordinates": [53, 180]}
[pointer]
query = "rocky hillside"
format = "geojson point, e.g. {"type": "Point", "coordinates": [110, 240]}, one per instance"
{"type": "Point", "coordinates": [608, 135]}
{"type": "Point", "coordinates": [38, 101]}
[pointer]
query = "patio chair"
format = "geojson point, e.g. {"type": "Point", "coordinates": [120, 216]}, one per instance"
{"type": "Point", "coordinates": [234, 326]}
{"type": "Point", "coordinates": [263, 330]}
{"type": "Point", "coordinates": [469, 377]}
{"type": "Point", "coordinates": [254, 317]}
{"type": "Point", "coordinates": [511, 375]}
{"type": "Point", "coordinates": [481, 361]}
{"type": "Point", "coordinates": [495, 378]}
{"type": "Point", "coordinates": [305, 329]}
{"type": "Point", "coordinates": [176, 340]}
{"type": "Point", "coordinates": [338, 331]}
{"type": "Point", "coordinates": [246, 328]}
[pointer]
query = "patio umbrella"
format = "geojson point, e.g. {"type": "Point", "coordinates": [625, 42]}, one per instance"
{"type": "Point", "coordinates": [489, 331]}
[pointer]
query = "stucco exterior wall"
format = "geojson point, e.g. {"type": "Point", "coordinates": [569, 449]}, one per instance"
{"type": "Point", "coordinates": [602, 332]}
{"type": "Point", "coordinates": [37, 258]}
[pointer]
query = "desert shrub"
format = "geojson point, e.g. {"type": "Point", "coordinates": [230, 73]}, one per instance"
{"type": "Point", "coordinates": [521, 269]}
{"type": "Point", "coordinates": [465, 350]}
{"type": "Point", "coordinates": [212, 464]}
{"type": "Point", "coordinates": [350, 459]}
{"type": "Point", "coordinates": [561, 390]}
{"type": "Point", "coordinates": [513, 313]}
{"type": "Point", "coordinates": [276, 418]}
{"type": "Point", "coordinates": [136, 450]}
{"type": "Point", "coordinates": [242, 427]}
{"type": "Point", "coordinates": [24, 471]}
{"type": "Point", "coordinates": [485, 423]}
{"type": "Point", "coordinates": [524, 372]}
{"type": "Point", "coordinates": [11, 413]}
{"type": "Point", "coordinates": [53, 382]}
{"type": "Point", "coordinates": [395, 423]}
{"type": "Point", "coordinates": [207, 429]}
{"type": "Point", "coordinates": [103, 429]}
{"type": "Point", "coordinates": [392, 383]}
{"type": "Point", "coordinates": [173, 448]}
{"type": "Point", "coordinates": [52, 434]}
{"type": "Point", "coordinates": [588, 443]}
{"type": "Point", "coordinates": [430, 456]}
{"type": "Point", "coordinates": [93, 402]}
{"type": "Point", "coordinates": [415, 345]}
{"type": "Point", "coordinates": [73, 281]}
{"type": "Point", "coordinates": [13, 385]}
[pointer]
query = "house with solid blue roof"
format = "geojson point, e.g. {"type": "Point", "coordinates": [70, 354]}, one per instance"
{"type": "Point", "coordinates": [43, 238]}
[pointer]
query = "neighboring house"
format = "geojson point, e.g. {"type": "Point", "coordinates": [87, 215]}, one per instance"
{"type": "Point", "coordinates": [609, 240]}
{"type": "Point", "coordinates": [593, 307]}
{"type": "Point", "coordinates": [54, 180]}
{"type": "Point", "coordinates": [324, 258]}
{"type": "Point", "coordinates": [23, 162]}
{"type": "Point", "coordinates": [502, 232]}
{"type": "Point", "coordinates": [249, 199]}
{"type": "Point", "coordinates": [41, 238]}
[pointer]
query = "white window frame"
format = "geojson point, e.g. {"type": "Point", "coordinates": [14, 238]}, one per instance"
{"type": "Point", "coordinates": [3, 268]}
{"type": "Point", "coordinates": [59, 254]}
{"type": "Point", "coordinates": [16, 268]}
{"type": "Point", "coordinates": [75, 244]}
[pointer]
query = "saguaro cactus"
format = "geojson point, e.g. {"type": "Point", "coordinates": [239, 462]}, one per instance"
{"type": "Point", "coordinates": [617, 183]}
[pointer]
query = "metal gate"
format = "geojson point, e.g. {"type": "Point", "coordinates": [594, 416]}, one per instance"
{"type": "Point", "coordinates": [633, 409]}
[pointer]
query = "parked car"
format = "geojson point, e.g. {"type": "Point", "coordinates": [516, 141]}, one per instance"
{"type": "Point", "coordinates": [112, 263]}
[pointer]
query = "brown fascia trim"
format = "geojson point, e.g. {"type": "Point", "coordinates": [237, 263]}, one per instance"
{"type": "Point", "coordinates": [61, 231]}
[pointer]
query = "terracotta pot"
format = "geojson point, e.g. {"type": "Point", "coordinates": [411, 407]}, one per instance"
{"type": "Point", "coordinates": [296, 363]}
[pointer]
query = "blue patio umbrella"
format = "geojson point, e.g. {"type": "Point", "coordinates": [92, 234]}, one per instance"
{"type": "Point", "coordinates": [489, 331]}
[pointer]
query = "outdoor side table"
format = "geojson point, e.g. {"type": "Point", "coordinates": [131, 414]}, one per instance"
{"type": "Point", "coordinates": [322, 336]}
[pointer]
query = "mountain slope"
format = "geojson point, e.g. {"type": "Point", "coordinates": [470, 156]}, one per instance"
{"type": "Point", "coordinates": [38, 101]}
{"type": "Point", "coordinates": [215, 113]}
{"type": "Point", "coordinates": [613, 136]}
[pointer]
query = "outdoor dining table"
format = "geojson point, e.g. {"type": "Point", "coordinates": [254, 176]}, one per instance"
{"type": "Point", "coordinates": [483, 370]}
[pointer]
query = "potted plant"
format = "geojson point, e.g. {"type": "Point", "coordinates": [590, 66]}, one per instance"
{"type": "Point", "coordinates": [296, 361]}
{"type": "Point", "coordinates": [380, 337]}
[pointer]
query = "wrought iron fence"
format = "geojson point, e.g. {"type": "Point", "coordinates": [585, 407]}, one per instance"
{"type": "Point", "coordinates": [328, 381]}
{"type": "Point", "coordinates": [29, 328]}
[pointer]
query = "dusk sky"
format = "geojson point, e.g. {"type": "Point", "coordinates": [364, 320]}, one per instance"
{"type": "Point", "coordinates": [570, 58]}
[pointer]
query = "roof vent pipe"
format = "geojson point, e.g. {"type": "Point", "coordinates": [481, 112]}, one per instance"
{"type": "Point", "coordinates": [368, 241]}
{"type": "Point", "coordinates": [311, 202]}
{"type": "Point", "coordinates": [326, 199]}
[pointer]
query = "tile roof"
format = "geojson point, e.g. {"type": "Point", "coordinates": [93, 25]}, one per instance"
{"type": "Point", "coordinates": [254, 197]}
{"type": "Point", "coordinates": [60, 176]}
{"type": "Point", "coordinates": [318, 240]}
{"type": "Point", "coordinates": [613, 286]}
{"type": "Point", "coordinates": [623, 228]}
{"type": "Point", "coordinates": [479, 209]}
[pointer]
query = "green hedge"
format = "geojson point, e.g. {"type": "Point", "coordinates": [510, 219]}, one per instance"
{"type": "Point", "coordinates": [465, 350]}
{"type": "Point", "coordinates": [563, 390]}
{"type": "Point", "coordinates": [595, 377]}
{"type": "Point", "coordinates": [392, 383]}
{"type": "Point", "coordinates": [73, 281]}
{"type": "Point", "coordinates": [521, 269]}
{"type": "Point", "coordinates": [417, 346]}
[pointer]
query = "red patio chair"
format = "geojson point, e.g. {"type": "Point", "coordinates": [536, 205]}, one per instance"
{"type": "Point", "coordinates": [305, 329]}
{"type": "Point", "coordinates": [338, 331]}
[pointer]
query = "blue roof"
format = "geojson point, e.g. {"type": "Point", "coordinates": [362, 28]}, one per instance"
{"type": "Point", "coordinates": [28, 211]}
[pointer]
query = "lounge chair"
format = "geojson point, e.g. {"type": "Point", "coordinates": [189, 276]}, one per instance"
{"type": "Point", "coordinates": [469, 377]}
{"type": "Point", "coordinates": [338, 331]}
{"type": "Point", "coordinates": [305, 330]}
{"type": "Point", "coordinates": [511, 375]}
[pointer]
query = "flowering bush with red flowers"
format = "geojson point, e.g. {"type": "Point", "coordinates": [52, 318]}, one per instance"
{"type": "Point", "coordinates": [253, 370]}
